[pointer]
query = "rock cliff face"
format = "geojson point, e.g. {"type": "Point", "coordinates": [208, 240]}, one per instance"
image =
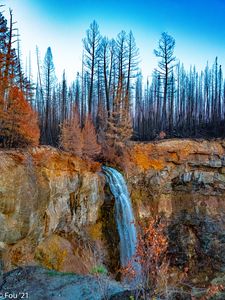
{"type": "Point", "coordinates": [173, 175]}
{"type": "Point", "coordinates": [184, 180]}
{"type": "Point", "coordinates": [48, 200]}
{"type": "Point", "coordinates": [55, 209]}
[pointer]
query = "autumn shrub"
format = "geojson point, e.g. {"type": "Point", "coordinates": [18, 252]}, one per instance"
{"type": "Point", "coordinates": [162, 135]}
{"type": "Point", "coordinates": [91, 148]}
{"type": "Point", "coordinates": [152, 280]}
{"type": "Point", "coordinates": [211, 291]}
{"type": "Point", "coordinates": [81, 142]}
{"type": "Point", "coordinates": [118, 157]}
{"type": "Point", "coordinates": [18, 121]}
{"type": "Point", "coordinates": [151, 257]}
{"type": "Point", "coordinates": [71, 137]}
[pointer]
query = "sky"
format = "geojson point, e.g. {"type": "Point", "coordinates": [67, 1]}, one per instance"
{"type": "Point", "coordinates": [197, 26]}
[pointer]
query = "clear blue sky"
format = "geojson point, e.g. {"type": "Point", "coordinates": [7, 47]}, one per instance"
{"type": "Point", "coordinates": [197, 25]}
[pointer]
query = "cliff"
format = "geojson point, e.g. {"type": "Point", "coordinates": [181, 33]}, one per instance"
{"type": "Point", "coordinates": [173, 175]}
{"type": "Point", "coordinates": [184, 182]}
{"type": "Point", "coordinates": [48, 201]}
{"type": "Point", "coordinates": [57, 211]}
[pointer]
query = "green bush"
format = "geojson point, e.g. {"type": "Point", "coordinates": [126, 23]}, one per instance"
{"type": "Point", "coordinates": [99, 270]}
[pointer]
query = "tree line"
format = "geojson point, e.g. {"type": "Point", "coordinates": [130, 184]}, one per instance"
{"type": "Point", "coordinates": [101, 92]}
{"type": "Point", "coordinates": [178, 102]}
{"type": "Point", "coordinates": [110, 88]}
{"type": "Point", "coordinates": [109, 102]}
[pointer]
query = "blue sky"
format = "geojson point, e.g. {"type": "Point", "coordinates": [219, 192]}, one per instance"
{"type": "Point", "coordinates": [197, 25]}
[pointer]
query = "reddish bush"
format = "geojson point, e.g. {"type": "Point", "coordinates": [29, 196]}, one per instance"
{"type": "Point", "coordinates": [91, 148]}
{"type": "Point", "coordinates": [150, 255]}
{"type": "Point", "coordinates": [19, 123]}
{"type": "Point", "coordinates": [71, 136]}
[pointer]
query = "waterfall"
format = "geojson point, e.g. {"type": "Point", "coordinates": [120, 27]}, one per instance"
{"type": "Point", "coordinates": [123, 214]}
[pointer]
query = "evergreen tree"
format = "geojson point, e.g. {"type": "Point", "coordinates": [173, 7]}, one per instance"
{"type": "Point", "coordinates": [91, 148]}
{"type": "Point", "coordinates": [119, 124]}
{"type": "Point", "coordinates": [71, 136]}
{"type": "Point", "coordinates": [19, 126]}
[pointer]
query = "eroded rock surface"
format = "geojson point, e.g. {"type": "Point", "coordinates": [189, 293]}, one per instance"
{"type": "Point", "coordinates": [55, 209]}
{"type": "Point", "coordinates": [184, 181]}
{"type": "Point", "coordinates": [47, 199]}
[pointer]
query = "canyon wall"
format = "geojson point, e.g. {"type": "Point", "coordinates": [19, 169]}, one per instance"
{"type": "Point", "coordinates": [184, 182]}
{"type": "Point", "coordinates": [49, 200]}
{"type": "Point", "coordinates": [56, 209]}
{"type": "Point", "coordinates": [173, 175]}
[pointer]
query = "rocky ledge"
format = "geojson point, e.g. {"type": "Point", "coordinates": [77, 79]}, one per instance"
{"type": "Point", "coordinates": [37, 283]}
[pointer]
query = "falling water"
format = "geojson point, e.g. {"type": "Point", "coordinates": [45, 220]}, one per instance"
{"type": "Point", "coordinates": [123, 214]}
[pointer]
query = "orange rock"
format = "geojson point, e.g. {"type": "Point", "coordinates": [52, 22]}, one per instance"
{"type": "Point", "coordinates": [58, 253]}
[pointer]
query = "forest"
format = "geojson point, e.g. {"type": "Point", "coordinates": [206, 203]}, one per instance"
{"type": "Point", "coordinates": [112, 186]}
{"type": "Point", "coordinates": [109, 101]}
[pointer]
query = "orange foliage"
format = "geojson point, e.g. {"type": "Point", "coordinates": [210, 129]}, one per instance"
{"type": "Point", "coordinates": [153, 275]}
{"type": "Point", "coordinates": [211, 291]}
{"type": "Point", "coordinates": [80, 142]}
{"type": "Point", "coordinates": [71, 136]}
{"type": "Point", "coordinates": [90, 146]}
{"type": "Point", "coordinates": [94, 166]}
{"type": "Point", "coordinates": [19, 123]}
{"type": "Point", "coordinates": [162, 135]}
{"type": "Point", "coordinates": [150, 255]}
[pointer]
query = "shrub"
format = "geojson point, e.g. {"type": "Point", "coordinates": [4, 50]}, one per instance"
{"type": "Point", "coordinates": [18, 121]}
